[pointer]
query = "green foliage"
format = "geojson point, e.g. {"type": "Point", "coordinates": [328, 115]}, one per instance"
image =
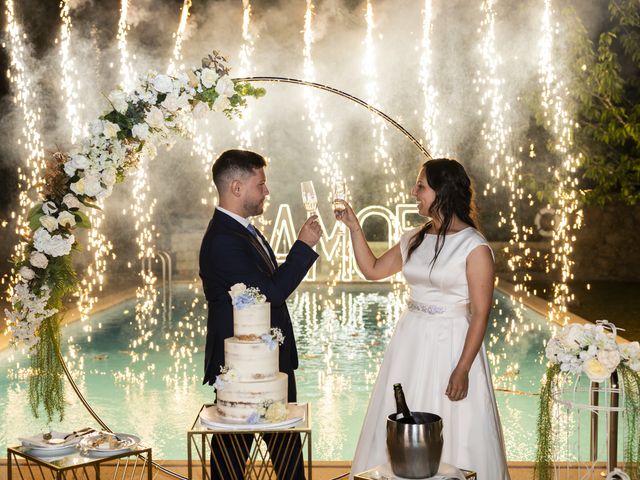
{"type": "Point", "coordinates": [82, 220]}
{"type": "Point", "coordinates": [631, 385]}
{"type": "Point", "coordinates": [606, 89]}
{"type": "Point", "coordinates": [544, 465]}
{"type": "Point", "coordinates": [33, 217]}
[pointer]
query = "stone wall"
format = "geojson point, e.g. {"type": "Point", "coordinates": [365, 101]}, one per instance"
{"type": "Point", "coordinates": [608, 245]}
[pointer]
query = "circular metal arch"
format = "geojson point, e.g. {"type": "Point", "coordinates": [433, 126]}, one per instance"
{"type": "Point", "coordinates": [292, 81]}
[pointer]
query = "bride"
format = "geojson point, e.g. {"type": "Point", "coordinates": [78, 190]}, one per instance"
{"type": "Point", "coordinates": [437, 351]}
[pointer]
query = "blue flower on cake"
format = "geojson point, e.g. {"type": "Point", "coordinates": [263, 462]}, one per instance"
{"type": "Point", "coordinates": [273, 339]}
{"type": "Point", "coordinates": [226, 375]}
{"type": "Point", "coordinates": [242, 297]}
{"type": "Point", "coordinates": [269, 412]}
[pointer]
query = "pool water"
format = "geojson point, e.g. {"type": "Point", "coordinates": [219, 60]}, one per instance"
{"type": "Point", "coordinates": [152, 386]}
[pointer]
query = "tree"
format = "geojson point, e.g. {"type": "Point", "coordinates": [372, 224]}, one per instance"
{"type": "Point", "coordinates": [605, 84]}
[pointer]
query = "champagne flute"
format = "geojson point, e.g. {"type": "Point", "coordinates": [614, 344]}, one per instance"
{"type": "Point", "coordinates": [309, 197]}
{"type": "Point", "coordinates": [339, 193]}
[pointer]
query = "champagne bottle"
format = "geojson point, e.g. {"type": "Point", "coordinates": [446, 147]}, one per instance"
{"type": "Point", "coordinates": [401, 405]}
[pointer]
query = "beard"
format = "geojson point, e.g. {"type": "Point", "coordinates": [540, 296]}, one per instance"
{"type": "Point", "coordinates": [253, 209]}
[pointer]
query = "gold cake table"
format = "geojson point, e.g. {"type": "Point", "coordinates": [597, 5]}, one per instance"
{"type": "Point", "coordinates": [79, 466]}
{"type": "Point", "coordinates": [246, 445]}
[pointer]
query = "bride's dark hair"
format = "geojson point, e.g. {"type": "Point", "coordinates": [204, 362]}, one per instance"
{"type": "Point", "coordinates": [454, 196]}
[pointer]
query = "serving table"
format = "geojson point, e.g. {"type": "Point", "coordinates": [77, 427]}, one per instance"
{"type": "Point", "coordinates": [131, 464]}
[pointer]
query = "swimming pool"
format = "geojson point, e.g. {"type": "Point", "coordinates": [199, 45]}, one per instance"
{"type": "Point", "coordinates": [153, 388]}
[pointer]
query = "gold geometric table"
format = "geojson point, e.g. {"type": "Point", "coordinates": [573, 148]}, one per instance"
{"type": "Point", "coordinates": [258, 463]}
{"type": "Point", "coordinates": [78, 466]}
{"type": "Point", "coordinates": [383, 472]}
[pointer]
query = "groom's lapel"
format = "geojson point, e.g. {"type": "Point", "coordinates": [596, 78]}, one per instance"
{"type": "Point", "coordinates": [241, 231]}
{"type": "Point", "coordinates": [271, 254]}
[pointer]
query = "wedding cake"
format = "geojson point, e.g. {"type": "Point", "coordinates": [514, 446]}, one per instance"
{"type": "Point", "coordinates": [250, 387]}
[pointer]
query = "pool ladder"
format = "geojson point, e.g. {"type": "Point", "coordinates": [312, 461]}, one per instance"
{"type": "Point", "coordinates": [167, 282]}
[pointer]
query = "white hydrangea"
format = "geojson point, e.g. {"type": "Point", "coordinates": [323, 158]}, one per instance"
{"type": "Point", "coordinates": [110, 129]}
{"type": "Point", "coordinates": [24, 322]}
{"type": "Point", "coordinates": [140, 131]}
{"type": "Point", "coordinates": [52, 245]}
{"type": "Point", "coordinates": [163, 83]}
{"type": "Point", "coordinates": [155, 117]}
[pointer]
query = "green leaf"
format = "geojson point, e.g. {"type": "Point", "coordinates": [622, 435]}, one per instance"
{"type": "Point", "coordinates": [91, 205]}
{"type": "Point", "coordinates": [82, 220]}
{"type": "Point", "coordinates": [34, 221]}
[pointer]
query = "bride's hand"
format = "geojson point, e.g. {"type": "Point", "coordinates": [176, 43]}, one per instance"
{"type": "Point", "coordinates": [458, 385]}
{"type": "Point", "coordinates": [347, 216]}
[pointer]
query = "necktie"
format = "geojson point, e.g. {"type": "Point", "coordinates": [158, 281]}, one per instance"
{"type": "Point", "coordinates": [253, 230]}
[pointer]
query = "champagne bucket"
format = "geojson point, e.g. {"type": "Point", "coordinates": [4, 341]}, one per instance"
{"type": "Point", "coordinates": [415, 449]}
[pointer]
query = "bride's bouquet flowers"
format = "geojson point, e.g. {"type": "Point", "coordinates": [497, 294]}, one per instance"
{"type": "Point", "coordinates": [242, 297]}
{"type": "Point", "coordinates": [591, 349]}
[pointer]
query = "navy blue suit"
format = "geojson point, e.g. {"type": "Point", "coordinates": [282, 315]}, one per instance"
{"type": "Point", "coordinates": [230, 254]}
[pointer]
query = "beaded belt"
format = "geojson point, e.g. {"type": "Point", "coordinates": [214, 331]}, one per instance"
{"type": "Point", "coordinates": [438, 308]}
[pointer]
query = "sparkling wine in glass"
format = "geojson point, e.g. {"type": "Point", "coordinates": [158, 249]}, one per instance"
{"type": "Point", "coordinates": [309, 197]}
{"type": "Point", "coordinates": [339, 193]}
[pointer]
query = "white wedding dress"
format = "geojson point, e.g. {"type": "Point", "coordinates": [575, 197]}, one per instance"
{"type": "Point", "coordinates": [421, 355]}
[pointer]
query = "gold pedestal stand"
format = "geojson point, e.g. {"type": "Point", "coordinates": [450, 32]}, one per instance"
{"type": "Point", "coordinates": [248, 447]}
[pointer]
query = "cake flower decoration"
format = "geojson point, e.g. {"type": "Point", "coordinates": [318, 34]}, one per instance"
{"type": "Point", "coordinates": [273, 339]}
{"type": "Point", "coordinates": [243, 296]}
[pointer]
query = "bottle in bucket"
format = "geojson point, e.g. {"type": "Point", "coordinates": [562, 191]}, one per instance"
{"type": "Point", "coordinates": [401, 405]}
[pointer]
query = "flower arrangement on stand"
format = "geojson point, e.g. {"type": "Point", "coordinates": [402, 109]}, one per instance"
{"type": "Point", "coordinates": [154, 113]}
{"type": "Point", "coordinates": [591, 350]}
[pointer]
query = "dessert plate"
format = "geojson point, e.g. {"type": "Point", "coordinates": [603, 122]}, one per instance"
{"type": "Point", "coordinates": [56, 446]}
{"type": "Point", "coordinates": [102, 444]}
{"type": "Point", "coordinates": [210, 418]}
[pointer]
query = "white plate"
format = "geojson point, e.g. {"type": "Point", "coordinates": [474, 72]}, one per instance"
{"type": "Point", "coordinates": [129, 442]}
{"type": "Point", "coordinates": [210, 418]}
{"type": "Point", "coordinates": [51, 452]}
{"type": "Point", "coordinates": [36, 444]}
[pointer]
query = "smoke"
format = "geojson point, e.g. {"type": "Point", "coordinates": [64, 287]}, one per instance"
{"type": "Point", "coordinates": [178, 178]}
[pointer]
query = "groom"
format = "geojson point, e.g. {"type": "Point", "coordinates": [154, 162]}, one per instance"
{"type": "Point", "coordinates": [234, 251]}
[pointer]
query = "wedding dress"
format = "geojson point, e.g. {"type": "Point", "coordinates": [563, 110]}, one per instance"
{"type": "Point", "coordinates": [421, 355]}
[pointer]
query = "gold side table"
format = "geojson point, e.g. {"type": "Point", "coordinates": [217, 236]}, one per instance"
{"type": "Point", "coordinates": [78, 466]}
{"type": "Point", "coordinates": [250, 441]}
{"type": "Point", "coordinates": [383, 472]}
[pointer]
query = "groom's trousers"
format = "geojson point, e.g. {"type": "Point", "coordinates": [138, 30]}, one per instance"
{"type": "Point", "coordinates": [228, 456]}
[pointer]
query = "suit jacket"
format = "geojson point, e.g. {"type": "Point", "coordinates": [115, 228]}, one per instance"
{"type": "Point", "coordinates": [230, 254]}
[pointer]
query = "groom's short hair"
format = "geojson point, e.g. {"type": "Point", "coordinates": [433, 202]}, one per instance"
{"type": "Point", "coordinates": [233, 164]}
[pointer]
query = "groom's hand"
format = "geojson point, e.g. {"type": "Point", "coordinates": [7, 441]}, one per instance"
{"type": "Point", "coordinates": [310, 232]}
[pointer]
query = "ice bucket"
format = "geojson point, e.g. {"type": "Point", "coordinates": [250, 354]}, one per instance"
{"type": "Point", "coordinates": [415, 449]}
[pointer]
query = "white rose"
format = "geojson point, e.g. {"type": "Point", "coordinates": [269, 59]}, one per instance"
{"type": "Point", "coordinates": [163, 83]}
{"type": "Point", "coordinates": [140, 130]}
{"type": "Point", "coordinates": [118, 99]}
{"type": "Point", "coordinates": [595, 370]}
{"type": "Point", "coordinates": [66, 219]}
{"type": "Point", "coordinates": [38, 260]}
{"type": "Point", "coordinates": [92, 185]}
{"type": "Point", "coordinates": [609, 359]}
{"type": "Point", "coordinates": [208, 77]}
{"type": "Point", "coordinates": [49, 222]}
{"type": "Point", "coordinates": [237, 289]}
{"type": "Point", "coordinates": [171, 102]}
{"type": "Point", "coordinates": [78, 187]}
{"type": "Point", "coordinates": [225, 87]}
{"type": "Point", "coordinates": [572, 335]}
{"type": "Point", "coordinates": [69, 168]}
{"type": "Point", "coordinates": [221, 104]}
{"type": "Point", "coordinates": [27, 274]}
{"type": "Point", "coordinates": [200, 110]}
{"type": "Point", "coordinates": [49, 208]}
{"type": "Point", "coordinates": [80, 161]}
{"type": "Point", "coordinates": [71, 201]}
{"type": "Point", "coordinates": [155, 117]}
{"type": "Point", "coordinates": [149, 151]}
{"type": "Point", "coordinates": [111, 129]}
{"type": "Point", "coordinates": [96, 128]}
{"type": "Point", "coordinates": [109, 176]}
